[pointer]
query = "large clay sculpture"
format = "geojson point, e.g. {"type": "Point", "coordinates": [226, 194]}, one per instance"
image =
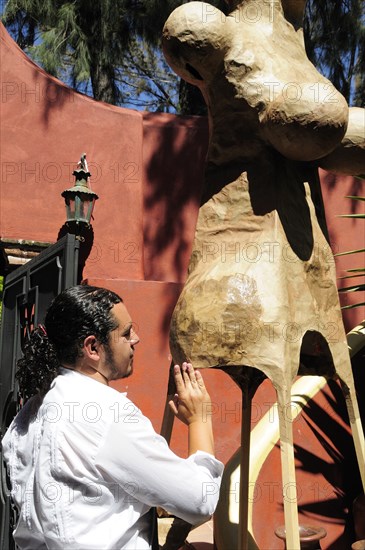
{"type": "Point", "coordinates": [260, 298]}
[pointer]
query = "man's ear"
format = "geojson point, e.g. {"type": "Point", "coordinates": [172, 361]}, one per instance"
{"type": "Point", "coordinates": [92, 348]}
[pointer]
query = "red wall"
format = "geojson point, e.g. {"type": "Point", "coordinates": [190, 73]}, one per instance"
{"type": "Point", "coordinates": [147, 170]}
{"type": "Point", "coordinates": [45, 127]}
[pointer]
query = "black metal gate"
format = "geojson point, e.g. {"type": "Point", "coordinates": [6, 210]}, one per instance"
{"type": "Point", "coordinates": [28, 292]}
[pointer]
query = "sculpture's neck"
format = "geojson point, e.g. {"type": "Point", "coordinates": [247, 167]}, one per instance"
{"type": "Point", "coordinates": [255, 9]}
{"type": "Point", "coordinates": [294, 12]}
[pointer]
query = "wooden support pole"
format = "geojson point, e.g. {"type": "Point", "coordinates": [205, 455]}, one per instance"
{"type": "Point", "coordinates": [356, 428]}
{"type": "Point", "coordinates": [168, 415]}
{"type": "Point", "coordinates": [288, 470]}
{"type": "Point", "coordinates": [244, 470]}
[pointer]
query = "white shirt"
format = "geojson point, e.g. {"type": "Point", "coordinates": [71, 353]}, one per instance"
{"type": "Point", "coordinates": [86, 466]}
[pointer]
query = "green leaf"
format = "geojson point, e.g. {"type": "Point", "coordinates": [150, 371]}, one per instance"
{"type": "Point", "coordinates": [356, 198]}
{"type": "Point", "coordinates": [351, 216]}
{"type": "Point", "coordinates": [354, 288]}
{"type": "Point", "coordinates": [352, 276]}
{"type": "Point", "coordinates": [350, 252]}
{"type": "Point", "coordinates": [355, 272]}
{"type": "Point", "coordinates": [352, 306]}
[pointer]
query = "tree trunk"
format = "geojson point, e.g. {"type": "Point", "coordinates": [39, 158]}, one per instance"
{"type": "Point", "coordinates": [191, 101]}
{"type": "Point", "coordinates": [103, 84]}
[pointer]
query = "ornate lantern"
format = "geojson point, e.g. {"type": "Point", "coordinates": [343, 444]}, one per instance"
{"type": "Point", "coordinates": [80, 199]}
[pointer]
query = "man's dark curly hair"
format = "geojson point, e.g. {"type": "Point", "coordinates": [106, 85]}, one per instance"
{"type": "Point", "coordinates": [76, 313]}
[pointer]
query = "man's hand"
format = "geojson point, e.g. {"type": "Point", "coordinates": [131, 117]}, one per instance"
{"type": "Point", "coordinates": [191, 404]}
{"type": "Point", "coordinates": [191, 400]}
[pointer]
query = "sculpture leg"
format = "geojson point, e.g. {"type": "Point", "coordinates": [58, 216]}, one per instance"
{"type": "Point", "coordinates": [356, 427]}
{"type": "Point", "coordinates": [244, 470]}
{"type": "Point", "coordinates": [288, 469]}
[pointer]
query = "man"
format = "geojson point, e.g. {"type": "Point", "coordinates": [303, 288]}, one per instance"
{"type": "Point", "coordinates": [85, 465]}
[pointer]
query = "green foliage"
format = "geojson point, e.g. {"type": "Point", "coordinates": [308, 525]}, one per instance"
{"type": "Point", "coordinates": [110, 49]}
{"type": "Point", "coordinates": [145, 80]}
{"type": "Point", "coordinates": [335, 42]}
{"type": "Point", "coordinates": [77, 41]}
{"type": "Point", "coordinates": [107, 45]}
{"type": "Point", "coordinates": [356, 272]}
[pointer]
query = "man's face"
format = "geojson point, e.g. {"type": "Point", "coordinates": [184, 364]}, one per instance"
{"type": "Point", "coordinates": [118, 361]}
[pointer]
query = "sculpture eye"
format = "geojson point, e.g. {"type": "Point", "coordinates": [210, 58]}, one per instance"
{"type": "Point", "coordinates": [193, 71]}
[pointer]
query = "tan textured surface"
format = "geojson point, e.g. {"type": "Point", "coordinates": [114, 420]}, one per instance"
{"type": "Point", "coordinates": [257, 81]}
{"type": "Point", "coordinates": [261, 275]}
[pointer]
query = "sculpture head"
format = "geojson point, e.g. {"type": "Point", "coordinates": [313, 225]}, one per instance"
{"type": "Point", "coordinates": [256, 78]}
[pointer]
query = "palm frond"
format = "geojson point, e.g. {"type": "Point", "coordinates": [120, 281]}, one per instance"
{"type": "Point", "coordinates": [353, 272]}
